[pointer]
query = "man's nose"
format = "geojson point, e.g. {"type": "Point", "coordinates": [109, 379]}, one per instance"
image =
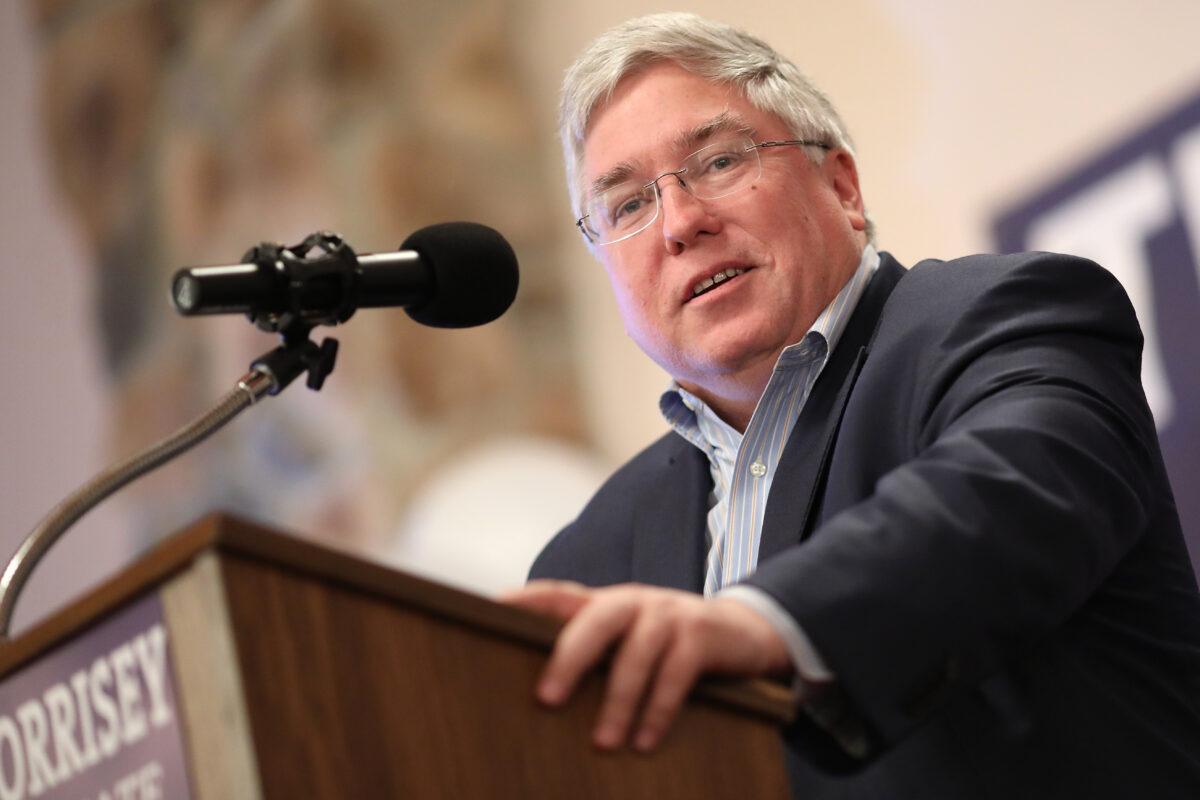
{"type": "Point", "coordinates": [684, 217]}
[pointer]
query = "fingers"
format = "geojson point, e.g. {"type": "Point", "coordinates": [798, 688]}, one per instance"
{"type": "Point", "coordinates": [581, 645]}
{"type": "Point", "coordinates": [663, 653]}
{"type": "Point", "coordinates": [676, 640]}
{"type": "Point", "coordinates": [632, 671]}
{"type": "Point", "coordinates": [680, 669]}
{"type": "Point", "coordinates": [596, 619]}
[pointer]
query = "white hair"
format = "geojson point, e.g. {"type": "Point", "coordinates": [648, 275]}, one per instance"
{"type": "Point", "coordinates": [718, 52]}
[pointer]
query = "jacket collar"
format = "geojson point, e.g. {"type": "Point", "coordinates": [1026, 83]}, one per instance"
{"type": "Point", "coordinates": [800, 478]}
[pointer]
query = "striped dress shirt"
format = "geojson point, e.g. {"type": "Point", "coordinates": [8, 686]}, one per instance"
{"type": "Point", "coordinates": [743, 465]}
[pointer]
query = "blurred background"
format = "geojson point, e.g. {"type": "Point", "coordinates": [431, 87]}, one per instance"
{"type": "Point", "coordinates": [139, 136]}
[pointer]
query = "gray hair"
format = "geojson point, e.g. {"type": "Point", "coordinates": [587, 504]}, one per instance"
{"type": "Point", "coordinates": [718, 52]}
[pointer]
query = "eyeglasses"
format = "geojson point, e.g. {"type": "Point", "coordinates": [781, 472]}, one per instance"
{"type": "Point", "coordinates": [717, 170]}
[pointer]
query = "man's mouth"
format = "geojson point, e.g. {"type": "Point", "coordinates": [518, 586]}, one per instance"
{"type": "Point", "coordinates": [715, 280]}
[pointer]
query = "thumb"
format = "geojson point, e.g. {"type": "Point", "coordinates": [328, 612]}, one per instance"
{"type": "Point", "coordinates": [559, 599]}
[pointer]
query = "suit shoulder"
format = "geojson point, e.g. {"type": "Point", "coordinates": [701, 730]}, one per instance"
{"type": "Point", "coordinates": [1001, 290]}
{"type": "Point", "coordinates": [980, 273]}
{"type": "Point", "coordinates": [966, 329]}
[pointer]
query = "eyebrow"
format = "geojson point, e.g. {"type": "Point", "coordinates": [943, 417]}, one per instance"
{"type": "Point", "coordinates": [725, 122]}
{"type": "Point", "coordinates": [617, 175]}
{"type": "Point", "coordinates": [689, 141]}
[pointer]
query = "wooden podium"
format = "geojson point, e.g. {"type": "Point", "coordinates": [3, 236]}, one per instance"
{"type": "Point", "coordinates": [300, 672]}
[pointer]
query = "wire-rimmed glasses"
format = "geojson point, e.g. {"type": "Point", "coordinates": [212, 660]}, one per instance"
{"type": "Point", "coordinates": [716, 170]}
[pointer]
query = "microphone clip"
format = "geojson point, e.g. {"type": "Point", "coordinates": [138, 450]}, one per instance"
{"type": "Point", "coordinates": [321, 266]}
{"type": "Point", "coordinates": [298, 354]}
{"type": "Point", "coordinates": [322, 263]}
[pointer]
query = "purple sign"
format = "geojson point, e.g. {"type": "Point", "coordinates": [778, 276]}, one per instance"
{"type": "Point", "coordinates": [1135, 209]}
{"type": "Point", "coordinates": [96, 718]}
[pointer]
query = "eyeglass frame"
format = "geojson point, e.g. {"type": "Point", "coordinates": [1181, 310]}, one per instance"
{"type": "Point", "coordinates": [580, 223]}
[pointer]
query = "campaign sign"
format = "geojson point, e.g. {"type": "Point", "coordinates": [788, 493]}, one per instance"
{"type": "Point", "coordinates": [1135, 209]}
{"type": "Point", "coordinates": [96, 718]}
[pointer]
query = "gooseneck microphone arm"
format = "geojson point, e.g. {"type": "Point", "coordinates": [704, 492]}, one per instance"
{"type": "Point", "coordinates": [250, 387]}
{"type": "Point", "coordinates": [268, 375]}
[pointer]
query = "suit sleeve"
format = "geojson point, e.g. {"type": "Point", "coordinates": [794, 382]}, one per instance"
{"type": "Point", "coordinates": [1008, 462]}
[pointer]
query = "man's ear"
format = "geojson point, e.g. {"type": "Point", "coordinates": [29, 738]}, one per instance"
{"type": "Point", "coordinates": [842, 173]}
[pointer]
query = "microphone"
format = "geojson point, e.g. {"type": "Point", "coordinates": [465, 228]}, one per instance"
{"type": "Point", "coordinates": [450, 275]}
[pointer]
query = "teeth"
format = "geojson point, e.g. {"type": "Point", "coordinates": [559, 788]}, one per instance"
{"type": "Point", "coordinates": [720, 277]}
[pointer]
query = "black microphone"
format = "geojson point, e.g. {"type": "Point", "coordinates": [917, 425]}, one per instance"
{"type": "Point", "coordinates": [450, 275]}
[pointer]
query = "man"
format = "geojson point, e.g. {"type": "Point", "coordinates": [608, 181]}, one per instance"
{"type": "Point", "coordinates": [931, 497]}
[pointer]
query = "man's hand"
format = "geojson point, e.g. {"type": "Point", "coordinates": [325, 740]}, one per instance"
{"type": "Point", "coordinates": [664, 638]}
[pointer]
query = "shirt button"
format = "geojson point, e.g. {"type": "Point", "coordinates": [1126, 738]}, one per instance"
{"type": "Point", "coordinates": [758, 469]}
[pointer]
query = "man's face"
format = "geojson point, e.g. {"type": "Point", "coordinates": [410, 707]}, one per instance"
{"type": "Point", "coordinates": [797, 232]}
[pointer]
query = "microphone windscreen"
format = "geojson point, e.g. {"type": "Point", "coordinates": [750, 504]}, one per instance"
{"type": "Point", "coordinates": [474, 272]}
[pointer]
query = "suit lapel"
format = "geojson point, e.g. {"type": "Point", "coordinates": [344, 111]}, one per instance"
{"type": "Point", "coordinates": [669, 544]}
{"type": "Point", "coordinates": [797, 484]}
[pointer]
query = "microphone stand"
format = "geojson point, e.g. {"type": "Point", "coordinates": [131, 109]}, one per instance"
{"type": "Point", "coordinates": [270, 374]}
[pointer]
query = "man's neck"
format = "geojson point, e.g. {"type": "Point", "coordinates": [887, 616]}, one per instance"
{"type": "Point", "coordinates": [734, 401]}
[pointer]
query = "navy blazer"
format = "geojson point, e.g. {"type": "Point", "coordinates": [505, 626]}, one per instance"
{"type": "Point", "coordinates": [972, 522]}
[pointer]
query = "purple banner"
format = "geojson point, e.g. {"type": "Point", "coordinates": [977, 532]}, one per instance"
{"type": "Point", "coordinates": [96, 718]}
{"type": "Point", "coordinates": [1135, 209]}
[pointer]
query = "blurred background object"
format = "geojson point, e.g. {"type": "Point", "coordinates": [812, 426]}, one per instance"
{"type": "Point", "coordinates": [144, 135]}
